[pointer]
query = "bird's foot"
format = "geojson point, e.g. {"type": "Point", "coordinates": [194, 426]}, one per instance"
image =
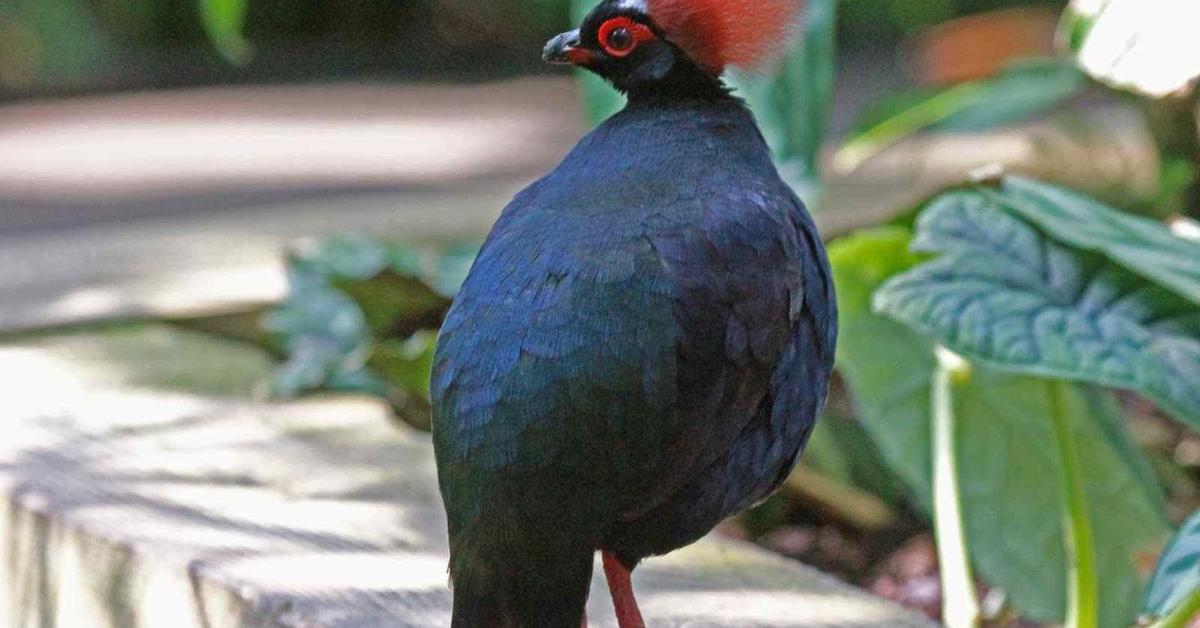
{"type": "Point", "coordinates": [621, 587]}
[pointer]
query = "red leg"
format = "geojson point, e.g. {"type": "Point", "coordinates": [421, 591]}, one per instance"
{"type": "Point", "coordinates": [583, 622]}
{"type": "Point", "coordinates": [621, 587]}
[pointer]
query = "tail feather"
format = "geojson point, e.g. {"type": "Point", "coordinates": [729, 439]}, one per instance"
{"type": "Point", "coordinates": [518, 594]}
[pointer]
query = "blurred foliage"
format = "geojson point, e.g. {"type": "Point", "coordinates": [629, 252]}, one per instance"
{"type": "Point", "coordinates": [48, 45]}
{"type": "Point", "coordinates": [1041, 294]}
{"type": "Point", "coordinates": [885, 366]}
{"type": "Point", "coordinates": [842, 450]}
{"type": "Point", "coordinates": [360, 316]}
{"type": "Point", "coordinates": [1003, 293]}
{"type": "Point", "coordinates": [1022, 90]}
{"type": "Point", "coordinates": [1147, 53]}
{"type": "Point", "coordinates": [793, 106]}
{"type": "Point", "coordinates": [1041, 282]}
{"type": "Point", "coordinates": [50, 41]}
{"type": "Point", "coordinates": [1174, 591]}
{"type": "Point", "coordinates": [224, 21]}
{"type": "Point", "coordinates": [55, 45]}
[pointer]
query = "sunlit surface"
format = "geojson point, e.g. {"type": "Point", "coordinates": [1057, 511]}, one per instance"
{"type": "Point", "coordinates": [205, 262]}
{"type": "Point", "coordinates": [228, 139]}
{"type": "Point", "coordinates": [146, 484]}
{"type": "Point", "coordinates": [1186, 228]}
{"type": "Point", "coordinates": [1147, 45]}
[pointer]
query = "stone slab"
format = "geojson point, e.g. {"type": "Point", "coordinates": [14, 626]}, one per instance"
{"type": "Point", "coordinates": [146, 483]}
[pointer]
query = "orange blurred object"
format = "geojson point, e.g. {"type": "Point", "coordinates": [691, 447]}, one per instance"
{"type": "Point", "coordinates": [977, 46]}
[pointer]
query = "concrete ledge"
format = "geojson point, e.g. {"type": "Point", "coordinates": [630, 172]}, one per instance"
{"type": "Point", "coordinates": [180, 203]}
{"type": "Point", "coordinates": [145, 486]}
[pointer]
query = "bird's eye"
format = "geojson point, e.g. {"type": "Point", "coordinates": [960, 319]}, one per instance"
{"type": "Point", "coordinates": [621, 35]}
{"type": "Point", "coordinates": [620, 39]}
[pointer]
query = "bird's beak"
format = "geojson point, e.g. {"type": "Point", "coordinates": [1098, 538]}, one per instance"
{"type": "Point", "coordinates": [565, 50]}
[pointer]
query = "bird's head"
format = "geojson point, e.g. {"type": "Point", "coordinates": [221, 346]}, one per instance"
{"type": "Point", "coordinates": [676, 45]}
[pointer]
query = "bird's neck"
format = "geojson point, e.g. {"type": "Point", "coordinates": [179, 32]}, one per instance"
{"type": "Point", "coordinates": [685, 82]}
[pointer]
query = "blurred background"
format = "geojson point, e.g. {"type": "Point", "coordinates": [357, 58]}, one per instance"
{"type": "Point", "coordinates": [271, 170]}
{"type": "Point", "coordinates": [70, 47]}
{"type": "Point", "coordinates": [275, 119]}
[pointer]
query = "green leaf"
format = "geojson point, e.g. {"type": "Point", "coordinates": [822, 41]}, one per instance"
{"type": "Point", "coordinates": [351, 256]}
{"type": "Point", "coordinates": [1144, 246]}
{"type": "Point", "coordinates": [399, 289]}
{"type": "Point", "coordinates": [406, 364]}
{"type": "Point", "coordinates": [1007, 456]}
{"type": "Point", "coordinates": [840, 448]}
{"type": "Point", "coordinates": [825, 454]}
{"type": "Point", "coordinates": [886, 366]}
{"type": "Point", "coordinates": [55, 44]}
{"type": "Point", "coordinates": [349, 296]}
{"type": "Point", "coordinates": [395, 305]}
{"type": "Point", "coordinates": [1004, 295]}
{"type": "Point", "coordinates": [1177, 575]}
{"type": "Point", "coordinates": [1010, 472]}
{"type": "Point", "coordinates": [224, 21]}
{"type": "Point", "coordinates": [322, 333]}
{"type": "Point", "coordinates": [1021, 91]}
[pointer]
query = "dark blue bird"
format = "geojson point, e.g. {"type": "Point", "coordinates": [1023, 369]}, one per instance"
{"type": "Point", "coordinates": [645, 340]}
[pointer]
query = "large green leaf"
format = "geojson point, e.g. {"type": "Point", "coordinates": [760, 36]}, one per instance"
{"type": "Point", "coordinates": [1008, 461]}
{"type": "Point", "coordinates": [1010, 476]}
{"type": "Point", "coordinates": [1178, 573]}
{"type": "Point", "coordinates": [1021, 91]}
{"type": "Point", "coordinates": [1144, 246]}
{"type": "Point", "coordinates": [1005, 295]}
{"type": "Point", "coordinates": [886, 366]}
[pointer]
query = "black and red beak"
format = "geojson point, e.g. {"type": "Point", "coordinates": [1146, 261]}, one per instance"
{"type": "Point", "coordinates": [566, 50]}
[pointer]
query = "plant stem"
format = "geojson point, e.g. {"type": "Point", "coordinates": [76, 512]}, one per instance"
{"type": "Point", "coordinates": [1180, 617]}
{"type": "Point", "coordinates": [960, 606]}
{"type": "Point", "coordinates": [1082, 585]}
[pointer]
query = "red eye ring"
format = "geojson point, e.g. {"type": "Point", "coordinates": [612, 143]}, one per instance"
{"type": "Point", "coordinates": [629, 34]}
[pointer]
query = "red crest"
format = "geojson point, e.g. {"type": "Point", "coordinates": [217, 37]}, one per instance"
{"type": "Point", "coordinates": [749, 34]}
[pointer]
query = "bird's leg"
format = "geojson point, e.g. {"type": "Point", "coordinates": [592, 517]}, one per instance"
{"type": "Point", "coordinates": [621, 588]}
{"type": "Point", "coordinates": [583, 622]}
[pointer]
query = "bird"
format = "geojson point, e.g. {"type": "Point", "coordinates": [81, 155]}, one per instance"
{"type": "Point", "coordinates": [645, 340]}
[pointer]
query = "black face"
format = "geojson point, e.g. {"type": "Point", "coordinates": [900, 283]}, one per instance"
{"type": "Point", "coordinates": [620, 42]}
